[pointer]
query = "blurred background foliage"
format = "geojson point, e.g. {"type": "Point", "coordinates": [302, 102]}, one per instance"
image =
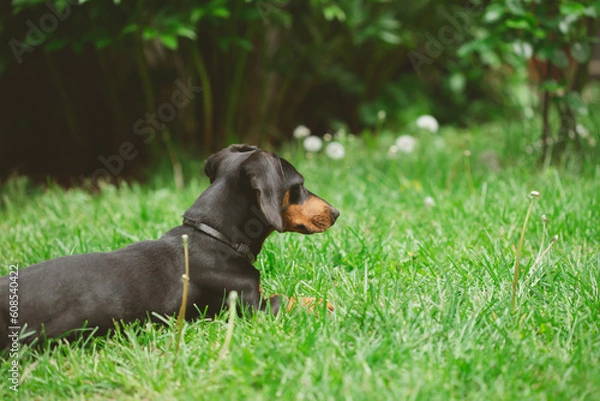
{"type": "Point", "coordinates": [91, 84]}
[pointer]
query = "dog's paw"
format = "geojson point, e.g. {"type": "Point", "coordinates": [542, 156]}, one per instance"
{"type": "Point", "coordinates": [307, 303]}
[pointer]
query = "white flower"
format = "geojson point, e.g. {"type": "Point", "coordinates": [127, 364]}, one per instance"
{"type": "Point", "coordinates": [429, 201]}
{"type": "Point", "coordinates": [582, 131]}
{"type": "Point", "coordinates": [405, 143]}
{"type": "Point", "coordinates": [340, 134]}
{"type": "Point", "coordinates": [301, 132]}
{"type": "Point", "coordinates": [428, 122]}
{"type": "Point", "coordinates": [327, 137]}
{"type": "Point", "coordinates": [381, 115]}
{"type": "Point", "coordinates": [313, 143]}
{"type": "Point", "coordinates": [335, 150]}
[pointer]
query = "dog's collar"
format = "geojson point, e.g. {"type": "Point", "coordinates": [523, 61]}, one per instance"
{"type": "Point", "coordinates": [241, 248]}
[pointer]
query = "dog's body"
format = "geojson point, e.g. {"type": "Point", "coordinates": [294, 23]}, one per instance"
{"type": "Point", "coordinates": [252, 193]}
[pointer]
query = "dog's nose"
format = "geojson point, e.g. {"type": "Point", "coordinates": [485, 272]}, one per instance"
{"type": "Point", "coordinates": [335, 213]}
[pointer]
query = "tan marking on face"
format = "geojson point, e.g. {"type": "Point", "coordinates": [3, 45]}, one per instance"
{"type": "Point", "coordinates": [312, 216]}
{"type": "Point", "coordinates": [286, 200]}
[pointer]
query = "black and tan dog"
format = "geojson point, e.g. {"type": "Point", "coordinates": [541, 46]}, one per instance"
{"type": "Point", "coordinates": [252, 193]}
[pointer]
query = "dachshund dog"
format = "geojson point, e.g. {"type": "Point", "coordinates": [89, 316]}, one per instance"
{"type": "Point", "coordinates": [252, 192]}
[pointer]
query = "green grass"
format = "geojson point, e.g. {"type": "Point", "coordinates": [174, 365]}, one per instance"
{"type": "Point", "coordinates": [422, 294]}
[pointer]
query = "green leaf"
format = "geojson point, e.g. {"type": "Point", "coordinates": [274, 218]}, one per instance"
{"type": "Point", "coordinates": [491, 58]}
{"type": "Point", "coordinates": [572, 8]}
{"type": "Point", "coordinates": [545, 51]}
{"type": "Point", "coordinates": [468, 48]}
{"type": "Point", "coordinates": [130, 28]}
{"type": "Point", "coordinates": [493, 13]}
{"type": "Point", "coordinates": [103, 42]}
{"type": "Point", "coordinates": [186, 32]}
{"type": "Point", "coordinates": [197, 14]}
{"type": "Point", "coordinates": [334, 12]}
{"type": "Point", "coordinates": [559, 58]}
{"type": "Point", "coordinates": [168, 40]}
{"type": "Point", "coordinates": [243, 43]}
{"type": "Point", "coordinates": [593, 10]}
{"type": "Point", "coordinates": [565, 24]}
{"type": "Point", "coordinates": [551, 86]}
{"type": "Point", "coordinates": [221, 12]}
{"type": "Point", "coordinates": [515, 7]}
{"type": "Point", "coordinates": [518, 24]}
{"type": "Point", "coordinates": [55, 44]}
{"type": "Point", "coordinates": [389, 23]}
{"type": "Point", "coordinates": [581, 52]}
{"type": "Point", "coordinates": [77, 47]}
{"type": "Point", "coordinates": [149, 33]}
{"type": "Point", "coordinates": [390, 37]}
{"type": "Point", "coordinates": [576, 103]}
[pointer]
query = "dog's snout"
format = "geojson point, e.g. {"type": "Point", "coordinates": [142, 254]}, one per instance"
{"type": "Point", "coordinates": [335, 213]}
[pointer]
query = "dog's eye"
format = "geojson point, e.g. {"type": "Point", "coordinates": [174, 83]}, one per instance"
{"type": "Point", "coordinates": [296, 192]}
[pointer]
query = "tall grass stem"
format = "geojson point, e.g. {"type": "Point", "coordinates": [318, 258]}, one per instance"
{"type": "Point", "coordinates": [533, 195]}
{"type": "Point", "coordinates": [232, 300]}
{"type": "Point", "coordinates": [186, 283]}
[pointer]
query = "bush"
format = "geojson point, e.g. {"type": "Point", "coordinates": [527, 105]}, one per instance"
{"type": "Point", "coordinates": [99, 85]}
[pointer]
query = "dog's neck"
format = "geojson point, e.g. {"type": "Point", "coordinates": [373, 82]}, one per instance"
{"type": "Point", "coordinates": [236, 215]}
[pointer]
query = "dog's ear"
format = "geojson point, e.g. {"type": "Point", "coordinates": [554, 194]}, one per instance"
{"type": "Point", "coordinates": [265, 175]}
{"type": "Point", "coordinates": [211, 165]}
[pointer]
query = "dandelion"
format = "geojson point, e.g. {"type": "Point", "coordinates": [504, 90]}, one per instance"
{"type": "Point", "coordinates": [428, 123]}
{"type": "Point", "coordinates": [313, 143]}
{"type": "Point", "coordinates": [582, 131]}
{"type": "Point", "coordinates": [340, 134]}
{"type": "Point", "coordinates": [327, 137]}
{"type": "Point", "coordinates": [335, 151]}
{"type": "Point", "coordinates": [393, 151]}
{"type": "Point", "coordinates": [429, 201]}
{"type": "Point", "coordinates": [406, 143]}
{"type": "Point", "coordinates": [381, 114]}
{"type": "Point", "coordinates": [301, 132]}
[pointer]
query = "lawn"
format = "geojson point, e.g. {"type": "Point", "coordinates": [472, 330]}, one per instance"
{"type": "Point", "coordinates": [419, 267]}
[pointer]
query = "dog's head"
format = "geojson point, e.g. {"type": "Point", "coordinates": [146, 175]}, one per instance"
{"type": "Point", "coordinates": [280, 192]}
